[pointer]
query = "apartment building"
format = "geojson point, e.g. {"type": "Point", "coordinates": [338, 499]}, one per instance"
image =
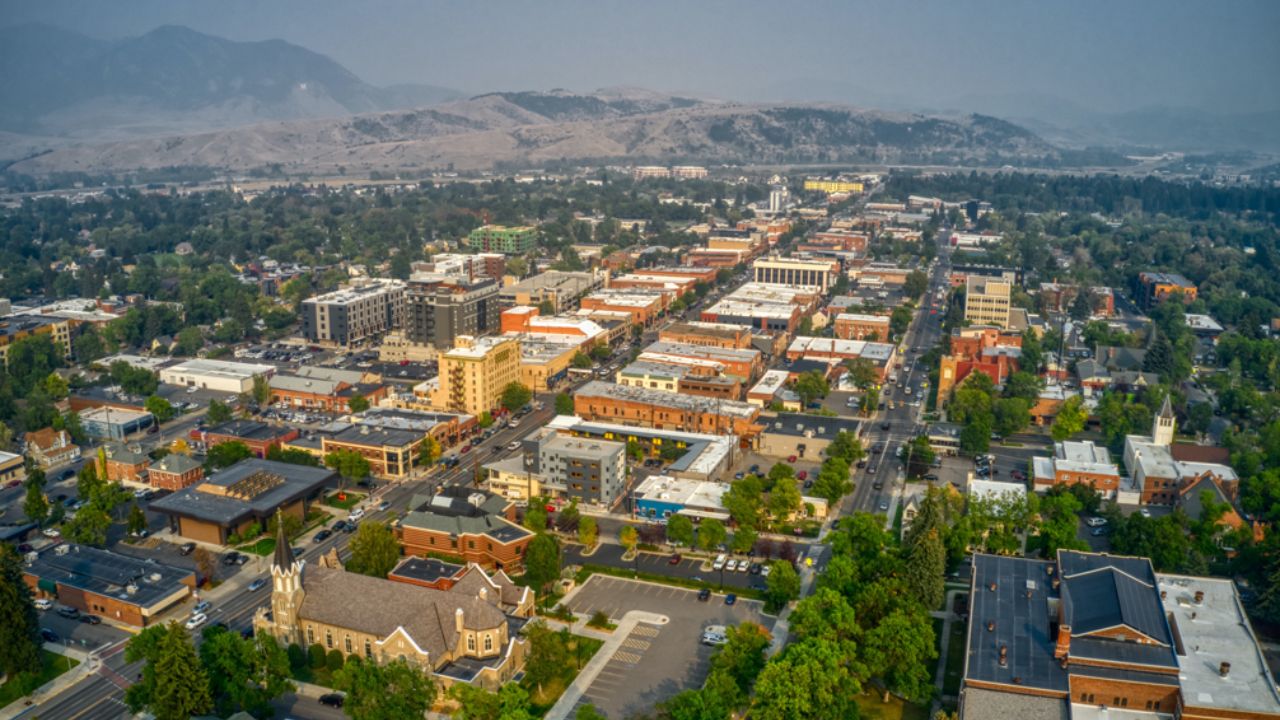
{"type": "Point", "coordinates": [1158, 287]}
{"type": "Point", "coordinates": [471, 267]}
{"type": "Point", "coordinates": [663, 410]}
{"type": "Point", "coordinates": [722, 335]}
{"type": "Point", "coordinates": [832, 187]}
{"type": "Point", "coordinates": [583, 469]}
{"type": "Point", "coordinates": [504, 240]}
{"type": "Point", "coordinates": [440, 308]}
{"type": "Point", "coordinates": [856, 326]}
{"type": "Point", "coordinates": [1077, 462]}
{"type": "Point", "coordinates": [987, 301]}
{"type": "Point", "coordinates": [561, 289]}
{"type": "Point", "coordinates": [793, 271]}
{"type": "Point", "coordinates": [17, 327]}
{"type": "Point", "coordinates": [354, 314]}
{"type": "Point", "coordinates": [475, 372]}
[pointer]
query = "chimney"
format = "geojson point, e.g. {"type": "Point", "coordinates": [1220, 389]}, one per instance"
{"type": "Point", "coordinates": [1004, 656]}
{"type": "Point", "coordinates": [1063, 647]}
{"type": "Point", "coordinates": [1164, 594]}
{"type": "Point", "coordinates": [1199, 597]}
{"type": "Point", "coordinates": [1224, 669]}
{"type": "Point", "coordinates": [457, 620]}
{"type": "Point", "coordinates": [992, 586]}
{"type": "Point", "coordinates": [991, 626]}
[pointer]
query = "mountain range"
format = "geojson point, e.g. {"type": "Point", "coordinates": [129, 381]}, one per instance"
{"type": "Point", "coordinates": [176, 97]}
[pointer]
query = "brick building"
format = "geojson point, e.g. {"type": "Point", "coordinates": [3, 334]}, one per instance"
{"type": "Point", "coordinates": [663, 410]}
{"type": "Point", "coordinates": [117, 587]}
{"type": "Point", "coordinates": [259, 437]}
{"type": "Point", "coordinates": [1077, 462]}
{"type": "Point", "coordinates": [854, 326]}
{"type": "Point", "coordinates": [460, 522]}
{"type": "Point", "coordinates": [175, 471]}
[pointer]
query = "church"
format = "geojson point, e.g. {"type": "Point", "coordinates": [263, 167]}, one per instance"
{"type": "Point", "coordinates": [467, 633]}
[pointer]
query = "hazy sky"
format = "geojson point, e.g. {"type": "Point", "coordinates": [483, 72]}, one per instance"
{"type": "Point", "coordinates": [1096, 54]}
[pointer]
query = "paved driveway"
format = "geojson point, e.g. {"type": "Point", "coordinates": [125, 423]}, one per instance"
{"type": "Point", "coordinates": [655, 662]}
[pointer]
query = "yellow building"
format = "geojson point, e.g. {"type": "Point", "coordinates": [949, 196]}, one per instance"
{"type": "Point", "coordinates": [832, 186]}
{"type": "Point", "coordinates": [18, 327]}
{"type": "Point", "coordinates": [474, 373]}
{"type": "Point", "coordinates": [986, 301]}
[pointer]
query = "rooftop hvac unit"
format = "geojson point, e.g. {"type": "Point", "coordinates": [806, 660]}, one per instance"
{"type": "Point", "coordinates": [61, 549]}
{"type": "Point", "coordinates": [131, 589]}
{"type": "Point", "coordinates": [154, 577]}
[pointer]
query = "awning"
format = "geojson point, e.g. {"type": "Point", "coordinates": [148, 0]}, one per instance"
{"type": "Point", "coordinates": [47, 585]}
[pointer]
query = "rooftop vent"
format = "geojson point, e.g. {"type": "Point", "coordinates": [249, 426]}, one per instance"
{"type": "Point", "coordinates": [1004, 656]}
{"type": "Point", "coordinates": [992, 586]}
{"type": "Point", "coordinates": [1199, 597]}
{"type": "Point", "coordinates": [991, 626]}
{"type": "Point", "coordinates": [1224, 669]}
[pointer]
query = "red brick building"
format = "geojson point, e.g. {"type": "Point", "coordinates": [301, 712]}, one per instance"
{"type": "Point", "coordinates": [475, 526]}
{"type": "Point", "coordinates": [258, 436]}
{"type": "Point", "coordinates": [174, 472]}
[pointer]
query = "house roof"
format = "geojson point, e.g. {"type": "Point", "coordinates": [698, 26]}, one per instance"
{"type": "Point", "coordinates": [175, 463]}
{"type": "Point", "coordinates": [1106, 598]}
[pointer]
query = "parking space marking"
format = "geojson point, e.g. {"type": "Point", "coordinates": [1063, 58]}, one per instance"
{"type": "Point", "coordinates": [636, 643]}
{"type": "Point", "coordinates": [646, 631]}
{"type": "Point", "coordinates": [624, 656]}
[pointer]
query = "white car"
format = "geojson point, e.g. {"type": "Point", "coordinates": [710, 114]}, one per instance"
{"type": "Point", "coordinates": [43, 603]}
{"type": "Point", "coordinates": [743, 565]}
{"type": "Point", "coordinates": [764, 571]}
{"type": "Point", "coordinates": [197, 620]}
{"type": "Point", "coordinates": [730, 565]}
{"type": "Point", "coordinates": [356, 514]}
{"type": "Point", "coordinates": [51, 532]}
{"type": "Point", "coordinates": [191, 390]}
{"type": "Point", "coordinates": [1095, 521]}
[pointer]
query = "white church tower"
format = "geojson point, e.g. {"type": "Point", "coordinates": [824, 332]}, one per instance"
{"type": "Point", "coordinates": [1163, 425]}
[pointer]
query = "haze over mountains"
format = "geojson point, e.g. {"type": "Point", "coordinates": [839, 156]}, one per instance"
{"type": "Point", "coordinates": [177, 97]}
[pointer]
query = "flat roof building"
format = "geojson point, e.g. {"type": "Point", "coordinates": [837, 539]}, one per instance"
{"type": "Point", "coordinates": [118, 587]}
{"type": "Point", "coordinates": [653, 408]}
{"type": "Point", "coordinates": [114, 423]}
{"type": "Point", "coordinates": [217, 375]}
{"type": "Point", "coordinates": [562, 289]}
{"type": "Point", "coordinates": [795, 271]}
{"type": "Point", "coordinates": [354, 314]}
{"type": "Point", "coordinates": [516, 240]}
{"type": "Point", "coordinates": [659, 497]}
{"type": "Point", "coordinates": [987, 301]}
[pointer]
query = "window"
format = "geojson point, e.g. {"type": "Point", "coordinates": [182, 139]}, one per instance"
{"type": "Point", "coordinates": [471, 643]}
{"type": "Point", "coordinates": [347, 644]}
{"type": "Point", "coordinates": [488, 643]}
{"type": "Point", "coordinates": [368, 649]}
{"type": "Point", "coordinates": [328, 639]}
{"type": "Point", "coordinates": [311, 635]}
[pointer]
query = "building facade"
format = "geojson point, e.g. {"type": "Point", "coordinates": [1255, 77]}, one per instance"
{"type": "Point", "coordinates": [792, 271]}
{"type": "Point", "coordinates": [355, 314]}
{"type": "Point", "coordinates": [440, 310]}
{"type": "Point", "coordinates": [987, 301]}
{"type": "Point", "coordinates": [174, 471]}
{"type": "Point", "coordinates": [504, 240]}
{"type": "Point", "coordinates": [475, 372]}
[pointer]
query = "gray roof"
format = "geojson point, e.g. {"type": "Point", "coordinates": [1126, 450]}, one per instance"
{"type": "Point", "coordinates": [107, 573]}
{"type": "Point", "coordinates": [1021, 624]}
{"type": "Point", "coordinates": [1107, 598]}
{"type": "Point", "coordinates": [247, 429]}
{"type": "Point", "coordinates": [176, 463]}
{"type": "Point", "coordinates": [814, 426]}
{"type": "Point", "coordinates": [431, 518]}
{"type": "Point", "coordinates": [426, 569]}
{"type": "Point", "coordinates": [982, 704]}
{"type": "Point", "coordinates": [426, 615]}
{"type": "Point", "coordinates": [297, 481]}
{"type": "Point", "coordinates": [377, 436]}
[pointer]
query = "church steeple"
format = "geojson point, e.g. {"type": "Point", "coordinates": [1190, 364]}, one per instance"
{"type": "Point", "coordinates": [286, 587]}
{"type": "Point", "coordinates": [1163, 426]}
{"type": "Point", "coordinates": [283, 559]}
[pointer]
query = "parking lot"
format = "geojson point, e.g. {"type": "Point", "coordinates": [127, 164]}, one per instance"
{"type": "Point", "coordinates": [655, 662]}
{"type": "Point", "coordinates": [660, 564]}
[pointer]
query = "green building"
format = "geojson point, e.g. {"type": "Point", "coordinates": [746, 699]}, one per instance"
{"type": "Point", "coordinates": [505, 240]}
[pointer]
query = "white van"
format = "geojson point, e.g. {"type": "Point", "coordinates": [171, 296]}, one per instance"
{"type": "Point", "coordinates": [715, 635]}
{"type": "Point", "coordinates": [719, 563]}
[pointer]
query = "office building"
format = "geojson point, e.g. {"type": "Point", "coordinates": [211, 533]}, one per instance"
{"type": "Point", "coordinates": [1077, 462]}
{"type": "Point", "coordinates": [702, 456]}
{"type": "Point", "coordinates": [259, 437]}
{"type": "Point", "coordinates": [174, 471]}
{"type": "Point", "coordinates": [793, 271]}
{"type": "Point", "coordinates": [355, 314]}
{"type": "Point", "coordinates": [217, 375]}
{"type": "Point", "coordinates": [987, 301]}
{"type": "Point", "coordinates": [325, 389]}
{"type": "Point", "coordinates": [504, 240]}
{"type": "Point", "coordinates": [643, 307]}
{"type": "Point", "coordinates": [701, 379]}
{"type": "Point", "coordinates": [588, 470]}
{"type": "Point", "coordinates": [1094, 636]}
{"type": "Point", "coordinates": [440, 308]}
{"type": "Point", "coordinates": [119, 588]}
{"type": "Point", "coordinates": [742, 364]}
{"type": "Point", "coordinates": [856, 326]}
{"type": "Point", "coordinates": [663, 410]}
{"type": "Point", "coordinates": [391, 452]}
{"type": "Point", "coordinates": [477, 526]}
{"type": "Point", "coordinates": [723, 335]}
{"type": "Point", "coordinates": [562, 290]}
{"type": "Point", "coordinates": [115, 424]}
{"type": "Point", "coordinates": [475, 372]}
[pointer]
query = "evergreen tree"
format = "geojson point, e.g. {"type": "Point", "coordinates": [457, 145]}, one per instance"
{"type": "Point", "coordinates": [179, 687]}
{"type": "Point", "coordinates": [19, 625]}
{"type": "Point", "coordinates": [35, 506]}
{"type": "Point", "coordinates": [1159, 357]}
{"type": "Point", "coordinates": [1082, 305]}
{"type": "Point", "coordinates": [925, 568]}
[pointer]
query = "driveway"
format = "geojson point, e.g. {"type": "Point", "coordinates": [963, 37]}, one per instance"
{"type": "Point", "coordinates": [655, 662]}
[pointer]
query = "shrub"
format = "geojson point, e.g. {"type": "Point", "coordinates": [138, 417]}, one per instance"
{"type": "Point", "coordinates": [335, 660]}
{"type": "Point", "coordinates": [297, 656]}
{"type": "Point", "coordinates": [316, 652]}
{"type": "Point", "coordinates": [599, 619]}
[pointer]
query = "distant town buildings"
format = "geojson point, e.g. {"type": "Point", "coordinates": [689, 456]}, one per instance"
{"type": "Point", "coordinates": [987, 301]}
{"type": "Point", "coordinates": [355, 314]}
{"type": "Point", "coordinates": [503, 240]}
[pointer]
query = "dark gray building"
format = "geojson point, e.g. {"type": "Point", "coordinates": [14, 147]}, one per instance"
{"type": "Point", "coordinates": [441, 307]}
{"type": "Point", "coordinates": [585, 469]}
{"type": "Point", "coordinates": [355, 314]}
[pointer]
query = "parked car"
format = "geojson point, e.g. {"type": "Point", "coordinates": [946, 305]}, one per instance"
{"type": "Point", "coordinates": [1095, 521]}
{"type": "Point", "coordinates": [730, 599]}
{"type": "Point", "coordinates": [322, 536]}
{"type": "Point", "coordinates": [51, 532]}
{"type": "Point", "coordinates": [201, 607]}
{"type": "Point", "coordinates": [743, 565]}
{"type": "Point", "coordinates": [674, 559]}
{"type": "Point", "coordinates": [355, 514]}
{"type": "Point", "coordinates": [68, 612]}
{"type": "Point", "coordinates": [91, 619]}
{"type": "Point", "coordinates": [384, 505]}
{"type": "Point", "coordinates": [755, 568]}
{"type": "Point", "coordinates": [230, 558]}
{"type": "Point", "coordinates": [704, 594]}
{"type": "Point", "coordinates": [1098, 531]}
{"type": "Point", "coordinates": [43, 603]}
{"type": "Point", "coordinates": [257, 584]}
{"type": "Point", "coordinates": [730, 565]}
{"type": "Point", "coordinates": [49, 636]}
{"type": "Point", "coordinates": [196, 621]}
{"type": "Point", "coordinates": [764, 571]}
{"type": "Point", "coordinates": [791, 458]}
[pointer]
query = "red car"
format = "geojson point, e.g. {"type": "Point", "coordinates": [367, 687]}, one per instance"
{"type": "Point", "coordinates": [13, 483]}
{"type": "Point", "coordinates": [791, 459]}
{"type": "Point", "coordinates": [675, 559]}
{"type": "Point", "coordinates": [466, 449]}
{"type": "Point", "coordinates": [803, 474]}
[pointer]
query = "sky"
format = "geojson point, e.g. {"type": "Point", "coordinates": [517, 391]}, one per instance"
{"type": "Point", "coordinates": [1065, 56]}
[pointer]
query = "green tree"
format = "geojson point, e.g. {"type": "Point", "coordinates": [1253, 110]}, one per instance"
{"type": "Point", "coordinates": [1082, 306]}
{"type": "Point", "coordinates": [847, 447]}
{"type": "Point", "coordinates": [174, 686]}
{"type": "Point", "coordinates": [515, 396]}
{"type": "Point", "coordinates": [919, 456]}
{"type": "Point", "coordinates": [916, 283]}
{"type": "Point", "coordinates": [293, 456]}
{"type": "Point", "coordinates": [743, 540]}
{"type": "Point", "coordinates": [813, 679]}
{"type": "Point", "coordinates": [711, 533]}
{"type": "Point", "coordinates": [742, 656]}
{"type": "Point", "coordinates": [900, 649]}
{"type": "Point", "coordinates": [587, 531]}
{"type": "Point", "coordinates": [629, 538]}
{"type": "Point", "coordinates": [811, 386]}
{"type": "Point", "coordinates": [564, 404]}
{"type": "Point", "coordinates": [35, 506]}
{"type": "Point", "coordinates": [160, 407]}
{"type": "Point", "coordinates": [349, 464]}
{"type": "Point", "coordinates": [588, 712]}
{"type": "Point", "coordinates": [244, 674]}
{"type": "Point", "coordinates": [542, 562]}
{"type": "Point", "coordinates": [975, 436]}
{"type": "Point", "coordinates": [680, 530]}
{"type": "Point", "coordinates": [374, 550]}
{"type": "Point", "coordinates": [744, 500]}
{"type": "Point", "coordinates": [784, 499]}
{"type": "Point", "coordinates": [261, 392]}
{"type": "Point", "coordinates": [357, 403]}
{"type": "Point", "coordinates": [925, 568]}
{"type": "Point", "coordinates": [19, 624]}
{"type": "Point", "coordinates": [189, 341]}
{"type": "Point", "coordinates": [218, 412]}
{"type": "Point", "coordinates": [782, 586]}
{"type": "Point", "coordinates": [392, 691]}
{"type": "Point", "coordinates": [1070, 420]}
{"type": "Point", "coordinates": [1010, 415]}
{"type": "Point", "coordinates": [870, 400]}
{"type": "Point", "coordinates": [1159, 358]}
{"type": "Point", "coordinates": [137, 520]}
{"type": "Point", "coordinates": [1023, 385]}
{"type": "Point", "coordinates": [833, 480]}
{"type": "Point", "coordinates": [89, 526]}
{"type": "Point", "coordinates": [56, 386]}
{"type": "Point", "coordinates": [535, 517]}
{"type": "Point", "coordinates": [429, 451]}
{"type": "Point", "coordinates": [226, 454]}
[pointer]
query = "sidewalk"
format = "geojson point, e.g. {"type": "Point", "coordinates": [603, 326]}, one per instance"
{"type": "Point", "coordinates": [564, 707]}
{"type": "Point", "coordinates": [89, 664]}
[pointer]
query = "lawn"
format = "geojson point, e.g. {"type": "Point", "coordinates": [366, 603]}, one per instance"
{"type": "Point", "coordinates": [873, 708]}
{"type": "Point", "coordinates": [53, 666]}
{"type": "Point", "coordinates": [264, 546]}
{"type": "Point", "coordinates": [321, 676]}
{"type": "Point", "coordinates": [579, 649]}
{"type": "Point", "coordinates": [352, 500]}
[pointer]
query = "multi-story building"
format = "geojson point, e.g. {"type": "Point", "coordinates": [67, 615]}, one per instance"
{"type": "Point", "coordinates": [794, 271]}
{"type": "Point", "coordinates": [12, 468]}
{"type": "Point", "coordinates": [475, 372]}
{"type": "Point", "coordinates": [689, 172]}
{"type": "Point", "coordinates": [49, 448]}
{"type": "Point", "coordinates": [723, 335]}
{"type": "Point", "coordinates": [744, 364]}
{"type": "Point", "coordinates": [1058, 297]}
{"type": "Point", "coordinates": [832, 187]}
{"type": "Point", "coordinates": [689, 379]}
{"type": "Point", "coordinates": [1077, 462]}
{"type": "Point", "coordinates": [259, 437]}
{"type": "Point", "coordinates": [476, 526]}
{"type": "Point", "coordinates": [355, 314]}
{"type": "Point", "coordinates": [391, 452]}
{"type": "Point", "coordinates": [17, 327]}
{"type": "Point", "coordinates": [1158, 287]}
{"type": "Point", "coordinates": [855, 326]}
{"type": "Point", "coordinates": [880, 355]}
{"type": "Point", "coordinates": [326, 389]}
{"type": "Point", "coordinates": [643, 306]}
{"type": "Point", "coordinates": [119, 463]}
{"type": "Point", "coordinates": [1084, 635]}
{"type": "Point", "coordinates": [440, 308]}
{"type": "Point", "coordinates": [561, 289]}
{"type": "Point", "coordinates": [174, 471]}
{"type": "Point", "coordinates": [1150, 462]}
{"type": "Point", "coordinates": [583, 469]}
{"type": "Point", "coordinates": [472, 267]}
{"type": "Point", "coordinates": [987, 301]}
{"type": "Point", "coordinates": [504, 240]}
{"type": "Point", "coordinates": [663, 410]}
{"type": "Point", "coordinates": [459, 635]}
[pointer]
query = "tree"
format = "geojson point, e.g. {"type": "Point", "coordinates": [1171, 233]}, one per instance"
{"type": "Point", "coordinates": [535, 517]}
{"type": "Point", "coordinates": [174, 686]}
{"type": "Point", "coordinates": [833, 480]}
{"type": "Point", "coordinates": [975, 436]}
{"type": "Point", "coordinates": [587, 531]}
{"type": "Point", "coordinates": [205, 566]}
{"type": "Point", "coordinates": [744, 500]}
{"type": "Point", "coordinates": [899, 649]}
{"type": "Point", "coordinates": [680, 530]}
{"type": "Point", "coordinates": [349, 463]}
{"type": "Point", "coordinates": [1059, 518]}
{"type": "Point", "coordinates": [1010, 415]}
{"type": "Point", "coordinates": [159, 407]}
{"type": "Point", "coordinates": [189, 341]}
{"type": "Point", "coordinates": [742, 656]}
{"type": "Point", "coordinates": [429, 451]}
{"type": "Point", "coordinates": [261, 392]}
{"type": "Point", "coordinates": [137, 521]}
{"type": "Point", "coordinates": [870, 400]}
{"type": "Point", "coordinates": [564, 404]}
{"type": "Point", "coordinates": [357, 403]}
{"type": "Point", "coordinates": [629, 538]}
{"type": "Point", "coordinates": [782, 586]}
{"type": "Point", "coordinates": [226, 454]}
{"type": "Point", "coordinates": [925, 567]}
{"type": "Point", "coordinates": [56, 386]}
{"type": "Point", "coordinates": [899, 320]}
{"type": "Point", "coordinates": [244, 674]}
{"type": "Point", "coordinates": [35, 506]}
{"type": "Point", "coordinates": [19, 624]}
{"type": "Point", "coordinates": [588, 712]}
{"type": "Point", "coordinates": [744, 538]}
{"type": "Point", "coordinates": [392, 691]}
{"type": "Point", "coordinates": [293, 456]}
{"type": "Point", "coordinates": [218, 412]}
{"type": "Point", "coordinates": [784, 499]}
{"type": "Point", "coordinates": [813, 679]}
{"type": "Point", "coordinates": [515, 396]}
{"type": "Point", "coordinates": [374, 550]}
{"type": "Point", "coordinates": [811, 386]}
{"type": "Point", "coordinates": [1025, 385]}
{"type": "Point", "coordinates": [89, 526]}
{"type": "Point", "coordinates": [916, 283]}
{"type": "Point", "coordinates": [847, 447]}
{"type": "Point", "coordinates": [1071, 419]}
{"type": "Point", "coordinates": [1082, 306]}
{"type": "Point", "coordinates": [711, 534]}
{"type": "Point", "coordinates": [1159, 357]}
{"type": "Point", "coordinates": [862, 373]}
{"type": "Point", "coordinates": [542, 562]}
{"type": "Point", "coordinates": [919, 456]}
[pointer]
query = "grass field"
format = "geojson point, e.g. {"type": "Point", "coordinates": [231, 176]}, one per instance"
{"type": "Point", "coordinates": [579, 649]}
{"type": "Point", "coordinates": [351, 500]}
{"type": "Point", "coordinates": [53, 666]}
{"type": "Point", "coordinates": [873, 708]}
